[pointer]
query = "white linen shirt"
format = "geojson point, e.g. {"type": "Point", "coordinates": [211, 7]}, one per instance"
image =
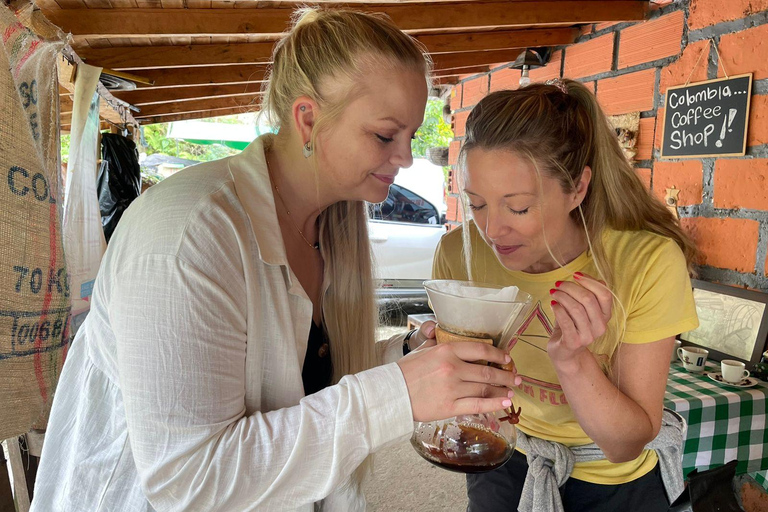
{"type": "Point", "coordinates": [182, 389]}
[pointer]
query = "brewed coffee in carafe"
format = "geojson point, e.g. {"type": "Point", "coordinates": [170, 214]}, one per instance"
{"type": "Point", "coordinates": [468, 311]}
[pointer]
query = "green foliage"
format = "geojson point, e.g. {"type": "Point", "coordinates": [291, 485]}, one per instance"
{"type": "Point", "coordinates": [150, 179]}
{"type": "Point", "coordinates": [65, 139]}
{"type": "Point", "coordinates": [247, 118]}
{"type": "Point", "coordinates": [157, 142]}
{"type": "Point", "coordinates": [435, 132]}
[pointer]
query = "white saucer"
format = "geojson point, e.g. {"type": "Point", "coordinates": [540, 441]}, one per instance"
{"type": "Point", "coordinates": [746, 382]}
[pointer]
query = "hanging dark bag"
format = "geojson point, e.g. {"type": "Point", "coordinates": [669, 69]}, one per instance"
{"type": "Point", "coordinates": [119, 181]}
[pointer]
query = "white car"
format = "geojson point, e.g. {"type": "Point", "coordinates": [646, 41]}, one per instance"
{"type": "Point", "coordinates": [405, 230]}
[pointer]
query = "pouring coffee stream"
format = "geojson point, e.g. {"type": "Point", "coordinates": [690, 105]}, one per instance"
{"type": "Point", "coordinates": [472, 312]}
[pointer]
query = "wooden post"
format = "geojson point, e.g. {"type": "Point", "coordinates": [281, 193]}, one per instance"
{"type": "Point", "coordinates": [16, 474]}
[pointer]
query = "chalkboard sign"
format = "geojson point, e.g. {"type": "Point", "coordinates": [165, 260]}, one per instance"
{"type": "Point", "coordinates": [707, 118]}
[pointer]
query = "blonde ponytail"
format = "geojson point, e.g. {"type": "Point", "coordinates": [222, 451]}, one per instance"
{"type": "Point", "coordinates": [617, 197]}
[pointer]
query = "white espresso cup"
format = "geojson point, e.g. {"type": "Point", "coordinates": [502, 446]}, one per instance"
{"type": "Point", "coordinates": [733, 371]}
{"type": "Point", "coordinates": [693, 358]}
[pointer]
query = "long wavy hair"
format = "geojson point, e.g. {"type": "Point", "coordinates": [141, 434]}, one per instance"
{"type": "Point", "coordinates": [339, 46]}
{"type": "Point", "coordinates": [561, 129]}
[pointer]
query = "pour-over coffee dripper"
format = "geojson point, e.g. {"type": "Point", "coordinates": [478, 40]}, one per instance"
{"type": "Point", "coordinates": [468, 311]}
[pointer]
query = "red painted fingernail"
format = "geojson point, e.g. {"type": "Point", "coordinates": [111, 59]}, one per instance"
{"type": "Point", "coordinates": [554, 303]}
{"type": "Point", "coordinates": [578, 275]}
{"type": "Point", "coordinates": [552, 291]}
{"type": "Point", "coordinates": [557, 284]}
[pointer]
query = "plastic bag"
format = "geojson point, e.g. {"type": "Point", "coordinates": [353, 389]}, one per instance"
{"type": "Point", "coordinates": [119, 181]}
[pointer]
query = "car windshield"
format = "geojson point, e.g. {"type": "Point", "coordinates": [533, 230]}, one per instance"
{"type": "Point", "coordinates": [402, 205]}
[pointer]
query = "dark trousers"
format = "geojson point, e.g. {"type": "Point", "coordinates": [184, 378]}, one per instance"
{"type": "Point", "coordinates": [500, 490]}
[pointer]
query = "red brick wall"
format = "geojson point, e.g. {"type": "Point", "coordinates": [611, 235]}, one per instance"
{"type": "Point", "coordinates": [723, 201]}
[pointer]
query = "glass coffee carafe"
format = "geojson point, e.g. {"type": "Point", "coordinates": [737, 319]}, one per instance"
{"type": "Point", "coordinates": [468, 311]}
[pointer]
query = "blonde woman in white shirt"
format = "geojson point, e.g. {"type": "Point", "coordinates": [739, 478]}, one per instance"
{"type": "Point", "coordinates": [234, 286]}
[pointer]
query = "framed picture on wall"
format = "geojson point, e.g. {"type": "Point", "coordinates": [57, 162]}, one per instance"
{"type": "Point", "coordinates": [733, 322]}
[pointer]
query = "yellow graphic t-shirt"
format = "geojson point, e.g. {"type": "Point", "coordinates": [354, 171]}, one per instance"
{"type": "Point", "coordinates": [651, 281]}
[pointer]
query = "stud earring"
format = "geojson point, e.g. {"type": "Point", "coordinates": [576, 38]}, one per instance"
{"type": "Point", "coordinates": [307, 150]}
{"type": "Point", "coordinates": [303, 108]}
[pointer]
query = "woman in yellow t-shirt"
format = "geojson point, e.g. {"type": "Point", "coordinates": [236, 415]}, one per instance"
{"type": "Point", "coordinates": [558, 211]}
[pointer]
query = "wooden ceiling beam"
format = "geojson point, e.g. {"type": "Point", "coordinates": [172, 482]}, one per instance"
{"type": "Point", "coordinates": [108, 113]}
{"type": "Point", "coordinates": [447, 80]}
{"type": "Point", "coordinates": [469, 15]}
{"type": "Point", "coordinates": [468, 70]}
{"type": "Point", "coordinates": [413, 17]}
{"type": "Point", "coordinates": [141, 97]}
{"type": "Point", "coordinates": [126, 23]}
{"type": "Point", "coordinates": [210, 75]}
{"type": "Point", "coordinates": [65, 103]}
{"type": "Point", "coordinates": [203, 114]}
{"type": "Point", "coordinates": [463, 59]}
{"type": "Point", "coordinates": [194, 112]}
{"type": "Point", "coordinates": [256, 73]}
{"type": "Point", "coordinates": [246, 103]}
{"type": "Point", "coordinates": [138, 57]}
{"type": "Point", "coordinates": [498, 40]}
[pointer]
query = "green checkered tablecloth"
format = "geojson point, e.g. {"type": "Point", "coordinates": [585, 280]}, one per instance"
{"type": "Point", "coordinates": [724, 423]}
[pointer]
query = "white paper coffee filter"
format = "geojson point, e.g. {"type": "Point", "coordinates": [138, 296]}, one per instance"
{"type": "Point", "coordinates": [463, 308]}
